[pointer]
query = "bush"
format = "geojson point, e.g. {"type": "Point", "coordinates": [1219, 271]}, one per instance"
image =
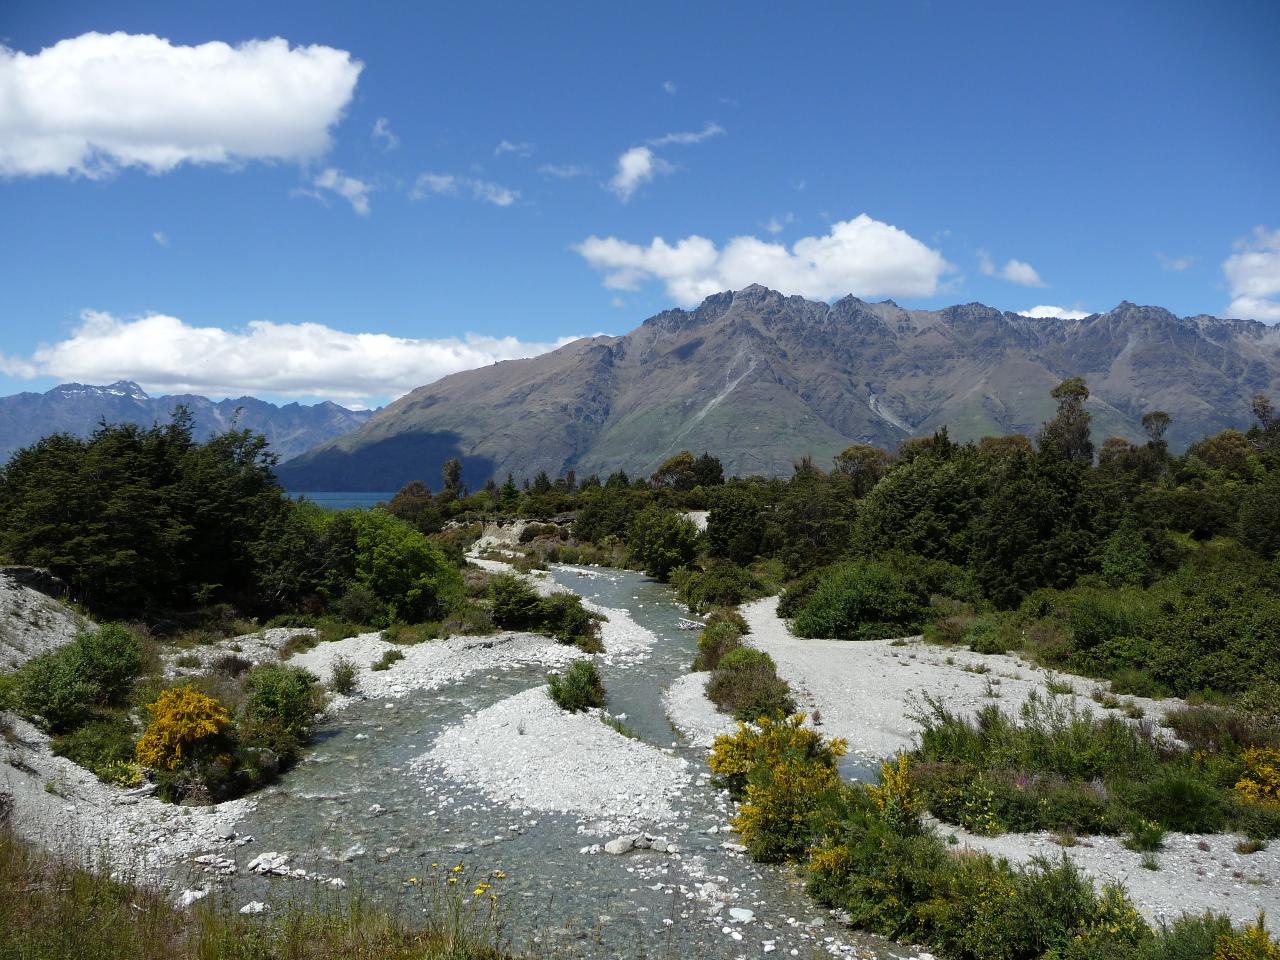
{"type": "Point", "coordinates": [183, 721]}
{"type": "Point", "coordinates": [62, 689]}
{"type": "Point", "coordinates": [862, 600]}
{"type": "Point", "coordinates": [716, 640]}
{"type": "Point", "coordinates": [105, 747]}
{"type": "Point", "coordinates": [722, 584]}
{"type": "Point", "coordinates": [281, 709]}
{"type": "Point", "coordinates": [746, 685]}
{"type": "Point", "coordinates": [659, 541]}
{"type": "Point", "coordinates": [564, 617]}
{"type": "Point", "coordinates": [342, 677]}
{"type": "Point", "coordinates": [578, 688]}
{"type": "Point", "coordinates": [515, 606]}
{"type": "Point", "coordinates": [386, 660]}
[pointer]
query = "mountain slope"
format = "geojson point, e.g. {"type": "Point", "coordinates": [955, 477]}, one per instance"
{"type": "Point", "coordinates": [77, 408]}
{"type": "Point", "coordinates": [760, 379]}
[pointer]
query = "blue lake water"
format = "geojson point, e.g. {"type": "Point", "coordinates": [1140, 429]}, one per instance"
{"type": "Point", "coordinates": [344, 499]}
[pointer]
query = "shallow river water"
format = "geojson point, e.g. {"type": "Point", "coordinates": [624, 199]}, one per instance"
{"type": "Point", "coordinates": [553, 899]}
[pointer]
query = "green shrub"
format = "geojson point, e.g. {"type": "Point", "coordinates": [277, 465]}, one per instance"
{"type": "Point", "coordinates": [746, 685]}
{"type": "Point", "coordinates": [564, 617]}
{"type": "Point", "coordinates": [62, 688]}
{"type": "Point", "coordinates": [386, 660]}
{"type": "Point", "coordinates": [659, 541]}
{"type": "Point", "coordinates": [281, 708]}
{"type": "Point", "coordinates": [578, 688]}
{"type": "Point", "coordinates": [103, 746]}
{"type": "Point", "coordinates": [862, 600]}
{"type": "Point", "coordinates": [515, 606]}
{"type": "Point", "coordinates": [1145, 835]}
{"type": "Point", "coordinates": [716, 640]}
{"type": "Point", "coordinates": [722, 584]}
{"type": "Point", "coordinates": [1178, 798]}
{"type": "Point", "coordinates": [342, 676]}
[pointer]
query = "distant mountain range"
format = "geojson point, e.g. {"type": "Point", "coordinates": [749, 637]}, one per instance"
{"type": "Point", "coordinates": [760, 379]}
{"type": "Point", "coordinates": [77, 408]}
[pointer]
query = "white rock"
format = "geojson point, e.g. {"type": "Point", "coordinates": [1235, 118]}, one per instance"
{"type": "Point", "coordinates": [741, 914]}
{"type": "Point", "coordinates": [188, 897]}
{"type": "Point", "coordinates": [254, 906]}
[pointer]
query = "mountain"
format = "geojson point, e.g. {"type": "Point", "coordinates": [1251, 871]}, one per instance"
{"type": "Point", "coordinates": [760, 379]}
{"type": "Point", "coordinates": [77, 408]}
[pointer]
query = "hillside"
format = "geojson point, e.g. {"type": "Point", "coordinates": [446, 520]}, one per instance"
{"type": "Point", "coordinates": [77, 408]}
{"type": "Point", "coordinates": [761, 379]}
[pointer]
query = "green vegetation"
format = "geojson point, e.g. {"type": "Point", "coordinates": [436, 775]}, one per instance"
{"type": "Point", "coordinates": [1057, 766]}
{"type": "Point", "coordinates": [515, 606]}
{"type": "Point", "coordinates": [63, 689]}
{"type": "Point", "coordinates": [745, 684]}
{"type": "Point", "coordinates": [50, 910]}
{"type": "Point", "coordinates": [578, 688]}
{"type": "Point", "coordinates": [863, 849]}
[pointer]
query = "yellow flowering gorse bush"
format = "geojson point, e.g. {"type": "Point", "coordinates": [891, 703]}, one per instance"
{"type": "Point", "coordinates": [180, 718]}
{"type": "Point", "coordinates": [1261, 780]}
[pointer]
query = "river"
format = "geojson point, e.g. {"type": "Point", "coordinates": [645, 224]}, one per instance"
{"type": "Point", "coordinates": [553, 898]}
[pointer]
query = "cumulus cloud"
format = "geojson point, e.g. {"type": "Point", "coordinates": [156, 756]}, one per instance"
{"type": "Point", "coordinates": [95, 103]}
{"type": "Point", "coordinates": [160, 237]}
{"type": "Point", "coordinates": [776, 225]}
{"type": "Point", "coordinates": [1046, 312]}
{"type": "Point", "coordinates": [521, 149]}
{"type": "Point", "coordinates": [1015, 271]}
{"type": "Point", "coordinates": [448, 184]}
{"type": "Point", "coordinates": [640, 165]}
{"type": "Point", "coordinates": [1253, 275]}
{"type": "Point", "coordinates": [669, 86]}
{"type": "Point", "coordinates": [304, 359]}
{"type": "Point", "coordinates": [383, 136]}
{"type": "Point", "coordinates": [636, 167]}
{"type": "Point", "coordinates": [332, 180]}
{"type": "Point", "coordinates": [861, 256]}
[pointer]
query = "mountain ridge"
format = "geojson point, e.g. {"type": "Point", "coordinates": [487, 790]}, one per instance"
{"type": "Point", "coordinates": [759, 379]}
{"type": "Point", "coordinates": [77, 408]}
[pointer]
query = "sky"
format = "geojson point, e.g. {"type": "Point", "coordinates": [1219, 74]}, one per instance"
{"type": "Point", "coordinates": [339, 201]}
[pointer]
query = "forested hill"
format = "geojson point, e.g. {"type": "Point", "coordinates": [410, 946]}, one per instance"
{"type": "Point", "coordinates": [77, 408]}
{"type": "Point", "coordinates": [764, 379]}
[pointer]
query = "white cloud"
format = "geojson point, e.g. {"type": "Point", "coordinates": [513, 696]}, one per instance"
{"type": "Point", "coordinates": [383, 135]}
{"type": "Point", "coordinates": [636, 167]}
{"type": "Point", "coordinates": [564, 171]}
{"type": "Point", "coordinates": [1176, 264]}
{"type": "Point", "coordinates": [450, 184]}
{"type": "Point", "coordinates": [355, 192]}
{"type": "Point", "coordinates": [669, 86]}
{"type": "Point", "coordinates": [94, 103]}
{"type": "Point", "coordinates": [776, 225]}
{"type": "Point", "coordinates": [160, 237]}
{"type": "Point", "coordinates": [1046, 312]}
{"type": "Point", "coordinates": [1015, 271]}
{"type": "Point", "coordinates": [521, 149]}
{"type": "Point", "coordinates": [1253, 274]}
{"type": "Point", "coordinates": [862, 256]}
{"type": "Point", "coordinates": [688, 137]}
{"type": "Point", "coordinates": [305, 359]}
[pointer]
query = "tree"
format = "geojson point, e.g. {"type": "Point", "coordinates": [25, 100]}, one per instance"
{"type": "Point", "coordinates": [708, 471]}
{"type": "Point", "coordinates": [662, 540]}
{"type": "Point", "coordinates": [408, 573]}
{"type": "Point", "coordinates": [1067, 434]}
{"type": "Point", "coordinates": [678, 473]}
{"type": "Point", "coordinates": [864, 465]}
{"type": "Point", "coordinates": [451, 474]}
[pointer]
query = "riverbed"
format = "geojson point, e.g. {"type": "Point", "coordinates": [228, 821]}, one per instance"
{"type": "Point", "coordinates": [364, 809]}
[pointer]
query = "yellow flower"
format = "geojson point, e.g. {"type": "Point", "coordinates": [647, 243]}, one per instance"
{"type": "Point", "coordinates": [453, 879]}
{"type": "Point", "coordinates": [498, 874]}
{"type": "Point", "coordinates": [412, 880]}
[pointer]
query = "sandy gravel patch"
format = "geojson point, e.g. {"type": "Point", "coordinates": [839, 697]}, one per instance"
{"type": "Point", "coordinates": [867, 690]}
{"type": "Point", "coordinates": [696, 717]}
{"type": "Point", "coordinates": [529, 754]}
{"type": "Point", "coordinates": [433, 663]}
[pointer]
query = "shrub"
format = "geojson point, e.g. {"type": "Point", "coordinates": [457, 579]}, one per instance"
{"type": "Point", "coordinates": [61, 689]}
{"type": "Point", "coordinates": [578, 688]}
{"type": "Point", "coordinates": [105, 747]}
{"type": "Point", "coordinates": [358, 605]}
{"type": "Point", "coordinates": [722, 584]}
{"type": "Point", "coordinates": [281, 708]}
{"type": "Point", "coordinates": [716, 640]}
{"type": "Point", "coordinates": [182, 721]}
{"type": "Point", "coordinates": [515, 606]}
{"type": "Point", "coordinates": [862, 600]}
{"type": "Point", "coordinates": [1146, 835]}
{"type": "Point", "coordinates": [386, 660]}
{"type": "Point", "coordinates": [564, 617]}
{"type": "Point", "coordinates": [746, 685]}
{"type": "Point", "coordinates": [784, 772]}
{"type": "Point", "coordinates": [659, 541]}
{"type": "Point", "coordinates": [1260, 780]}
{"type": "Point", "coordinates": [342, 676]}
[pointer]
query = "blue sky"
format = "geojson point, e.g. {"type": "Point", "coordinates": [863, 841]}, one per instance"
{"type": "Point", "coordinates": [1019, 154]}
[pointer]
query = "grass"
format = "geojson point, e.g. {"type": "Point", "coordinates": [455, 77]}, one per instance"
{"type": "Point", "coordinates": [53, 911]}
{"type": "Point", "coordinates": [388, 658]}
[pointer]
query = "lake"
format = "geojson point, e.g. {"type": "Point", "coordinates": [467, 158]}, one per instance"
{"type": "Point", "coordinates": [343, 499]}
